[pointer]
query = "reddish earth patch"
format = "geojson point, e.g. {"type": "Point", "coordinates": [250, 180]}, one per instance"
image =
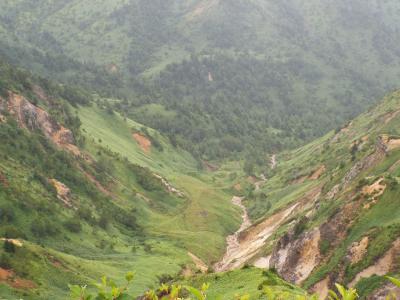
{"type": "Point", "coordinates": [5, 274]}
{"type": "Point", "coordinates": [318, 173]}
{"type": "Point", "coordinates": [23, 284]}
{"type": "Point", "coordinates": [144, 142]}
{"type": "Point", "coordinates": [98, 185]}
{"type": "Point", "coordinates": [3, 180]}
{"type": "Point", "coordinates": [8, 277]}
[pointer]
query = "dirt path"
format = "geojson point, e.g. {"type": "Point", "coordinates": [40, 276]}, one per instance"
{"type": "Point", "coordinates": [241, 249]}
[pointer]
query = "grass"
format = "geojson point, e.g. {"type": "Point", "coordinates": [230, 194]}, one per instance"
{"type": "Point", "coordinates": [246, 281]}
{"type": "Point", "coordinates": [207, 213]}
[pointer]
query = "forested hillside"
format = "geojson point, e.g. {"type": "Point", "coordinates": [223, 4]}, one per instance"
{"type": "Point", "coordinates": [277, 73]}
{"type": "Point", "coordinates": [85, 192]}
{"type": "Point", "coordinates": [241, 143]}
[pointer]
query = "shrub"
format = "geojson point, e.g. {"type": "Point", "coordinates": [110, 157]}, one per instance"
{"type": "Point", "coordinates": [9, 247]}
{"type": "Point", "coordinates": [5, 261]}
{"type": "Point", "coordinates": [11, 232]}
{"type": "Point", "coordinates": [300, 226]}
{"type": "Point", "coordinates": [324, 246]}
{"type": "Point", "coordinates": [7, 214]}
{"type": "Point", "coordinates": [73, 225]}
{"type": "Point", "coordinates": [42, 227]}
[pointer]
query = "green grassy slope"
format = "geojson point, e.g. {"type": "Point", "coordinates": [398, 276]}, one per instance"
{"type": "Point", "coordinates": [352, 162]}
{"type": "Point", "coordinates": [124, 218]}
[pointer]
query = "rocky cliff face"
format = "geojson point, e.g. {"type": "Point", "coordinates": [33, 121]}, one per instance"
{"type": "Point", "coordinates": [33, 118]}
{"type": "Point", "coordinates": [295, 258]}
{"type": "Point", "coordinates": [357, 169]}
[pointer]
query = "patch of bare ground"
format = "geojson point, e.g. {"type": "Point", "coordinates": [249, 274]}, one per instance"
{"type": "Point", "coordinates": [201, 8]}
{"type": "Point", "coordinates": [382, 266]}
{"type": "Point", "coordinates": [15, 242]}
{"type": "Point", "coordinates": [390, 142]}
{"type": "Point", "coordinates": [322, 288]}
{"type": "Point", "coordinates": [63, 192]}
{"type": "Point", "coordinates": [3, 180]}
{"type": "Point", "coordinates": [383, 293]}
{"type": "Point", "coordinates": [169, 187]}
{"type": "Point", "coordinates": [358, 250]}
{"type": "Point", "coordinates": [373, 191]}
{"type": "Point", "coordinates": [32, 117]}
{"type": "Point", "coordinates": [244, 244]}
{"type": "Point", "coordinates": [144, 142]}
{"type": "Point", "coordinates": [318, 173]}
{"type": "Point", "coordinates": [297, 258]}
{"type": "Point", "coordinates": [262, 262]}
{"type": "Point", "coordinates": [201, 265]}
{"type": "Point", "coordinates": [8, 277]}
{"type": "Point", "coordinates": [364, 164]}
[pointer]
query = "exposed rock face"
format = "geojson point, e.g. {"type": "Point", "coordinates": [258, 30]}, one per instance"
{"type": "Point", "coordinates": [389, 142]}
{"type": "Point", "coordinates": [322, 288]}
{"type": "Point", "coordinates": [383, 292]}
{"type": "Point", "coordinates": [295, 259]}
{"type": "Point", "coordinates": [169, 187]}
{"type": "Point", "coordinates": [63, 192]}
{"type": "Point", "coordinates": [358, 250]}
{"type": "Point", "coordinates": [383, 266]}
{"type": "Point", "coordinates": [364, 164]}
{"type": "Point", "coordinates": [32, 118]}
{"type": "Point", "coordinates": [244, 245]}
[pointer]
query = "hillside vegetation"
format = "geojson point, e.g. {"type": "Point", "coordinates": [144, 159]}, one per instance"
{"type": "Point", "coordinates": [336, 203]}
{"type": "Point", "coordinates": [227, 77]}
{"type": "Point", "coordinates": [80, 196]}
{"type": "Point", "coordinates": [236, 143]}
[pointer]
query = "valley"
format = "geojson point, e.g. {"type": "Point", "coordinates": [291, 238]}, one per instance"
{"type": "Point", "coordinates": [199, 149]}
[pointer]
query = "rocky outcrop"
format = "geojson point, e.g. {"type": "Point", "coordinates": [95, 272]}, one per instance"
{"type": "Point", "coordinates": [383, 266]}
{"type": "Point", "coordinates": [169, 187]}
{"type": "Point", "coordinates": [33, 118]}
{"type": "Point", "coordinates": [362, 165]}
{"type": "Point", "coordinates": [390, 143]}
{"type": "Point", "coordinates": [63, 192]}
{"type": "Point", "coordinates": [358, 250]}
{"type": "Point", "coordinates": [295, 258]}
{"type": "Point", "coordinates": [383, 292]}
{"type": "Point", "coordinates": [245, 245]}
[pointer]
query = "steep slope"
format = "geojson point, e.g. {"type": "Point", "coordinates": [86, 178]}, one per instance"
{"type": "Point", "coordinates": [80, 198]}
{"type": "Point", "coordinates": [275, 73]}
{"type": "Point", "coordinates": [336, 204]}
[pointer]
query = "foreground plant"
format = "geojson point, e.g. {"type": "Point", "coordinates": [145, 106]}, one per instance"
{"type": "Point", "coordinates": [350, 294]}
{"type": "Point", "coordinates": [108, 290]}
